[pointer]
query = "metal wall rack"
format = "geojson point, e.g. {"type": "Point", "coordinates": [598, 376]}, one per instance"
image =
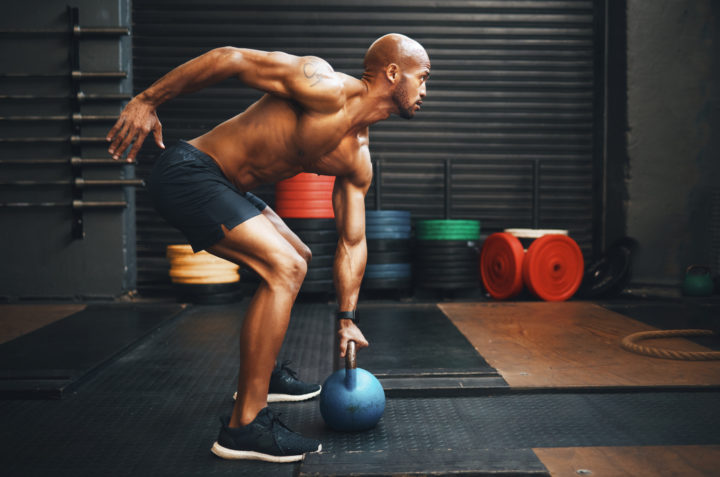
{"type": "Point", "coordinates": [77, 119]}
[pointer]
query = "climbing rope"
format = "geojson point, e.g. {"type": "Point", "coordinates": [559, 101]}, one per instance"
{"type": "Point", "coordinates": [629, 344]}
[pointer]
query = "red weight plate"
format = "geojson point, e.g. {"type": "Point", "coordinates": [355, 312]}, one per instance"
{"type": "Point", "coordinates": [300, 213]}
{"type": "Point", "coordinates": [305, 177]}
{"type": "Point", "coordinates": [325, 195]}
{"type": "Point", "coordinates": [303, 204]}
{"type": "Point", "coordinates": [501, 261]}
{"type": "Point", "coordinates": [553, 267]}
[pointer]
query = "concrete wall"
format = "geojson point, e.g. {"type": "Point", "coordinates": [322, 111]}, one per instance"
{"type": "Point", "coordinates": [673, 129]}
{"type": "Point", "coordinates": [39, 256]}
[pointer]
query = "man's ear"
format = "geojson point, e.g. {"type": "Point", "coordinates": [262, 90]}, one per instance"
{"type": "Point", "coordinates": [392, 72]}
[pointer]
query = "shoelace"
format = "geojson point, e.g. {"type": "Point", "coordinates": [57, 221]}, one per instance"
{"type": "Point", "coordinates": [275, 419]}
{"type": "Point", "coordinates": [284, 367]}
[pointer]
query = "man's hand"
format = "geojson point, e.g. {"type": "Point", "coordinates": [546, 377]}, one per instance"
{"type": "Point", "coordinates": [135, 123]}
{"type": "Point", "coordinates": [349, 331]}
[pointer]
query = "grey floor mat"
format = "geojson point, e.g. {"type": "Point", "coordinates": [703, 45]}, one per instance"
{"type": "Point", "coordinates": [155, 410]}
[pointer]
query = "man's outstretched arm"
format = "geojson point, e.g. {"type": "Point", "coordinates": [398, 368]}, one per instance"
{"type": "Point", "coordinates": [351, 254]}
{"type": "Point", "coordinates": [308, 80]}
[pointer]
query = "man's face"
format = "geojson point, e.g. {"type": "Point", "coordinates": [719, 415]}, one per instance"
{"type": "Point", "coordinates": [411, 90]}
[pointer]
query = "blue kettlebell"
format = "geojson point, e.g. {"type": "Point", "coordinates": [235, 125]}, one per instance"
{"type": "Point", "coordinates": [352, 399]}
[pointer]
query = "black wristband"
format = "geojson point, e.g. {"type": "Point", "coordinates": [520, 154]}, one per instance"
{"type": "Point", "coordinates": [348, 315]}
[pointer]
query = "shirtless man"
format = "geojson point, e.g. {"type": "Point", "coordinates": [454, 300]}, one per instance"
{"type": "Point", "coordinates": [311, 119]}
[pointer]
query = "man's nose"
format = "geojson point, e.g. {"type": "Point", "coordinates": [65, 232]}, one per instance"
{"type": "Point", "coordinates": [423, 90]}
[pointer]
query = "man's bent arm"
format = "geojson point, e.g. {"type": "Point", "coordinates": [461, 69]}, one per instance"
{"type": "Point", "coordinates": [308, 80]}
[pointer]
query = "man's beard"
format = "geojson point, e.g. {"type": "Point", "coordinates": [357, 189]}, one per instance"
{"type": "Point", "coordinates": [401, 100]}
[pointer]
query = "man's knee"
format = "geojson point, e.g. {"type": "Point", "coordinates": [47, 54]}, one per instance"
{"type": "Point", "coordinates": [289, 271]}
{"type": "Point", "coordinates": [306, 254]}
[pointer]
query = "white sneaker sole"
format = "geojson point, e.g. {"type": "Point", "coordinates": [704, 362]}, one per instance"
{"type": "Point", "coordinates": [225, 453]}
{"type": "Point", "coordinates": [288, 397]}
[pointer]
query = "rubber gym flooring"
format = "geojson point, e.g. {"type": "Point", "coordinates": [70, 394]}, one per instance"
{"type": "Point", "coordinates": [481, 388]}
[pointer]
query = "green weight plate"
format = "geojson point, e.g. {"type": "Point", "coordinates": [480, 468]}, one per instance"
{"type": "Point", "coordinates": [444, 244]}
{"type": "Point", "coordinates": [382, 214]}
{"type": "Point", "coordinates": [447, 236]}
{"type": "Point", "coordinates": [450, 228]}
{"type": "Point", "coordinates": [448, 222]}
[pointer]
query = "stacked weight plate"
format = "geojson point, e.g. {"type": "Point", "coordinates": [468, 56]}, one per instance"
{"type": "Point", "coordinates": [202, 277]}
{"type": "Point", "coordinates": [445, 255]}
{"type": "Point", "coordinates": [305, 196]}
{"type": "Point", "coordinates": [305, 202]}
{"type": "Point", "coordinates": [551, 268]}
{"type": "Point", "coordinates": [389, 253]}
{"type": "Point", "coordinates": [321, 236]}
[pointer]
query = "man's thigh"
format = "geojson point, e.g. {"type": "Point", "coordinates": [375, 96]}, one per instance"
{"type": "Point", "coordinates": [287, 233]}
{"type": "Point", "coordinates": [255, 243]}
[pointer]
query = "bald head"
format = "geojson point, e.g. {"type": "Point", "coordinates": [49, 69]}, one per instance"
{"type": "Point", "coordinates": [394, 48]}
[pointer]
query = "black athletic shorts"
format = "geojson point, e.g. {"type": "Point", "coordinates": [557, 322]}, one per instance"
{"type": "Point", "coordinates": [190, 191]}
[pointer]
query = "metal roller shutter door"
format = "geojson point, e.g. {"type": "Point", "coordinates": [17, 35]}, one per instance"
{"type": "Point", "coordinates": [513, 92]}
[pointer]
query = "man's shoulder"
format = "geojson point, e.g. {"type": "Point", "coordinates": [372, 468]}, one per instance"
{"type": "Point", "coordinates": [351, 85]}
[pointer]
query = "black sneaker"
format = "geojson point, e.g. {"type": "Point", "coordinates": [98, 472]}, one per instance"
{"type": "Point", "coordinates": [285, 386]}
{"type": "Point", "coordinates": [266, 438]}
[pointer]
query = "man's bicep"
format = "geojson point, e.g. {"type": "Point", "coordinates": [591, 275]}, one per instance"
{"type": "Point", "coordinates": [267, 71]}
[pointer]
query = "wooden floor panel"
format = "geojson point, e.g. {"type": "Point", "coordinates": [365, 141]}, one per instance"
{"type": "Point", "coordinates": [546, 344]}
{"type": "Point", "coordinates": [680, 461]}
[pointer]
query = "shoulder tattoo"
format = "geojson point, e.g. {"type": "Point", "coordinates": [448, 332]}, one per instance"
{"type": "Point", "coordinates": [312, 71]}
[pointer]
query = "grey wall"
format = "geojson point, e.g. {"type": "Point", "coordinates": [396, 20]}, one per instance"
{"type": "Point", "coordinates": [38, 254]}
{"type": "Point", "coordinates": [673, 126]}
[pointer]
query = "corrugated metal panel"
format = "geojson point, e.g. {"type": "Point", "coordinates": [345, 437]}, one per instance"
{"type": "Point", "coordinates": [513, 83]}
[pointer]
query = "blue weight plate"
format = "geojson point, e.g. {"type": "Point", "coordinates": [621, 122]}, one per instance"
{"type": "Point", "coordinates": [387, 284]}
{"type": "Point", "coordinates": [387, 221]}
{"type": "Point", "coordinates": [388, 236]}
{"type": "Point", "coordinates": [387, 214]}
{"type": "Point", "coordinates": [388, 245]}
{"type": "Point", "coordinates": [379, 231]}
{"type": "Point", "coordinates": [388, 266]}
{"type": "Point", "coordinates": [387, 275]}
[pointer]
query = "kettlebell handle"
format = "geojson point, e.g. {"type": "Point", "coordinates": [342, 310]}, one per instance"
{"type": "Point", "coordinates": [703, 269]}
{"type": "Point", "coordinates": [350, 356]}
